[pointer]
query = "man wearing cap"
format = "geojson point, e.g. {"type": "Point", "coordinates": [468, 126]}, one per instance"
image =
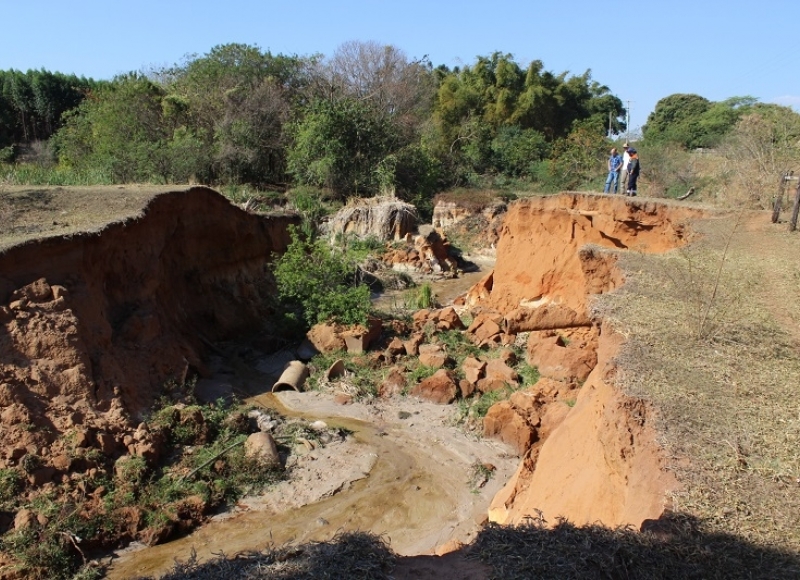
{"type": "Point", "coordinates": [623, 178]}
{"type": "Point", "coordinates": [614, 165]}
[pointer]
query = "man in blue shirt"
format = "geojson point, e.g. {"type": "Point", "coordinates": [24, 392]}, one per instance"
{"type": "Point", "coordinates": [614, 166]}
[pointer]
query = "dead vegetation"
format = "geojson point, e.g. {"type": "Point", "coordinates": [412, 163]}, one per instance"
{"type": "Point", "coordinates": [726, 390]}
{"type": "Point", "coordinates": [35, 212]}
{"type": "Point", "coordinates": [349, 556]}
{"type": "Point", "coordinates": [384, 218]}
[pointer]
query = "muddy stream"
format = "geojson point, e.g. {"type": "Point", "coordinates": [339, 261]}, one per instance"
{"type": "Point", "coordinates": [406, 472]}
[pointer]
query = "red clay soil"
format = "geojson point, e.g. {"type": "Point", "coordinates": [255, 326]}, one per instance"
{"type": "Point", "coordinates": [93, 325]}
{"type": "Point", "coordinates": [538, 253]}
{"type": "Point", "coordinates": [594, 456]}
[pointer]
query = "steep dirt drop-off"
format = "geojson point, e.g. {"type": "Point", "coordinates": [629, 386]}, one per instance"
{"type": "Point", "coordinates": [92, 325]}
{"type": "Point", "coordinates": [594, 456]}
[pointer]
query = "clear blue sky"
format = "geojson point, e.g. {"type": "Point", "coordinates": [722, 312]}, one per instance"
{"type": "Point", "coordinates": [643, 51]}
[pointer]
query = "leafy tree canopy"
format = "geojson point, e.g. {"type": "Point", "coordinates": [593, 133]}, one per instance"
{"type": "Point", "coordinates": [693, 121]}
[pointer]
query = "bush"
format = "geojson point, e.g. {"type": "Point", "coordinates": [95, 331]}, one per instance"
{"type": "Point", "coordinates": [321, 282]}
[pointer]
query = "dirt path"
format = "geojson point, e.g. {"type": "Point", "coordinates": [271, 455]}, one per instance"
{"type": "Point", "coordinates": [408, 479]}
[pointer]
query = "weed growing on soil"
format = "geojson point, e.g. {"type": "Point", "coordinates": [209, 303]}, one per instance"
{"type": "Point", "coordinates": [481, 405]}
{"type": "Point", "coordinates": [10, 484]}
{"type": "Point", "coordinates": [420, 373]}
{"type": "Point", "coordinates": [424, 297]}
{"type": "Point", "coordinates": [480, 475]}
{"type": "Point", "coordinates": [360, 380]}
{"type": "Point", "coordinates": [205, 467]}
{"type": "Point", "coordinates": [528, 374]}
{"type": "Point", "coordinates": [458, 345]}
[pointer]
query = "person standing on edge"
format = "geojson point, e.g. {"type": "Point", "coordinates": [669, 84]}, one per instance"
{"type": "Point", "coordinates": [614, 165]}
{"type": "Point", "coordinates": [623, 178]}
{"type": "Point", "coordinates": [633, 171]}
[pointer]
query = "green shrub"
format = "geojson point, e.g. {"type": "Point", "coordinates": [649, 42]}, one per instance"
{"type": "Point", "coordinates": [10, 484]}
{"type": "Point", "coordinates": [321, 282]}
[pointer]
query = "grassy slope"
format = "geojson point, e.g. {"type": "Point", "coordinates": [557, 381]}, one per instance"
{"type": "Point", "coordinates": [721, 362]}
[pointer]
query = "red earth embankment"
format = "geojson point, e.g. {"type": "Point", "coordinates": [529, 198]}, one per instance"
{"type": "Point", "coordinates": [594, 456]}
{"type": "Point", "coordinates": [93, 325]}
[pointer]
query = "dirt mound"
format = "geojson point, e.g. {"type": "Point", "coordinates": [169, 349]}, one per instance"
{"type": "Point", "coordinates": [599, 461]}
{"type": "Point", "coordinates": [92, 325]}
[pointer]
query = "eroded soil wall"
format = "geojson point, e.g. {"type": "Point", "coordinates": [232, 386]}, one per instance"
{"type": "Point", "coordinates": [92, 325]}
{"type": "Point", "coordinates": [594, 456]}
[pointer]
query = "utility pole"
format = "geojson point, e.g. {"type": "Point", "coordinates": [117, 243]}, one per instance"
{"type": "Point", "coordinates": [628, 123]}
{"type": "Point", "coordinates": [609, 124]}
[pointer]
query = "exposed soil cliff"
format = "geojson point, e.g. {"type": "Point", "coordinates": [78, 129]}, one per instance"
{"type": "Point", "coordinates": [92, 325]}
{"type": "Point", "coordinates": [594, 456]}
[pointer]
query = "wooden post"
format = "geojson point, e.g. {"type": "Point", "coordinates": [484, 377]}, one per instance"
{"type": "Point", "coordinates": [795, 210]}
{"type": "Point", "coordinates": [776, 208]}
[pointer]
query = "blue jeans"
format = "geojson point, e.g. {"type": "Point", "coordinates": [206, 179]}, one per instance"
{"type": "Point", "coordinates": [612, 178]}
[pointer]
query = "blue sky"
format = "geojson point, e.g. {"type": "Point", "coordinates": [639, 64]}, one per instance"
{"type": "Point", "coordinates": [643, 51]}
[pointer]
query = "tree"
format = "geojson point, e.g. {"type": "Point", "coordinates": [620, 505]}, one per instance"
{"type": "Point", "coordinates": [339, 145]}
{"type": "Point", "coordinates": [382, 77]}
{"type": "Point", "coordinates": [32, 103]}
{"type": "Point", "coordinates": [237, 100]}
{"type": "Point", "coordinates": [764, 143]}
{"type": "Point", "coordinates": [489, 113]}
{"type": "Point", "coordinates": [119, 132]}
{"type": "Point", "coordinates": [692, 121]}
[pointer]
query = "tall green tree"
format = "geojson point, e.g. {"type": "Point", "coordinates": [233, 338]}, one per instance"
{"type": "Point", "coordinates": [32, 103]}
{"type": "Point", "coordinates": [119, 132]}
{"type": "Point", "coordinates": [339, 145]}
{"type": "Point", "coordinates": [476, 106]}
{"type": "Point", "coordinates": [238, 99]}
{"type": "Point", "coordinates": [692, 121]}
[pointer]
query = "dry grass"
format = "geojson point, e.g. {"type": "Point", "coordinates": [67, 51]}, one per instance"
{"type": "Point", "coordinates": [727, 393]}
{"type": "Point", "coordinates": [679, 548]}
{"type": "Point", "coordinates": [349, 556]}
{"type": "Point", "coordinates": [35, 212]}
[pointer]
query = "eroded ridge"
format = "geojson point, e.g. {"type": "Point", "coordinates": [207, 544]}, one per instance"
{"type": "Point", "coordinates": [589, 451]}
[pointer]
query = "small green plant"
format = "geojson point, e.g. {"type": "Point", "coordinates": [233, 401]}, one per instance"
{"type": "Point", "coordinates": [424, 296]}
{"type": "Point", "coordinates": [10, 484]}
{"type": "Point", "coordinates": [528, 374]}
{"type": "Point", "coordinates": [458, 346]}
{"type": "Point", "coordinates": [480, 475]}
{"type": "Point", "coordinates": [486, 400]}
{"type": "Point", "coordinates": [420, 373]}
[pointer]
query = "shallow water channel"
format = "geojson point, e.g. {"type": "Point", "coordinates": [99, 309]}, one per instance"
{"type": "Point", "coordinates": [408, 478]}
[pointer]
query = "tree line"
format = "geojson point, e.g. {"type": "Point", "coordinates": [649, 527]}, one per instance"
{"type": "Point", "coordinates": [366, 120]}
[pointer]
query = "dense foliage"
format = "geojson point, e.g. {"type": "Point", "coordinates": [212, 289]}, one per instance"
{"type": "Point", "coordinates": [363, 121]}
{"type": "Point", "coordinates": [693, 121]}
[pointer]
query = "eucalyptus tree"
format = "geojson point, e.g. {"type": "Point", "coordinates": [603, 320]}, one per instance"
{"type": "Point", "coordinates": [32, 103]}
